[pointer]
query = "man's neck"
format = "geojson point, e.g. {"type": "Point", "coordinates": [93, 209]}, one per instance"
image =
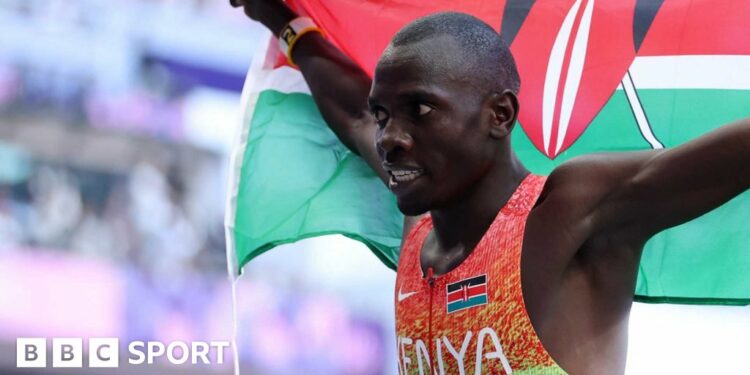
{"type": "Point", "coordinates": [458, 228]}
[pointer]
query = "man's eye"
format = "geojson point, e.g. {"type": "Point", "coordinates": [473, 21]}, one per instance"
{"type": "Point", "coordinates": [423, 109]}
{"type": "Point", "coordinates": [379, 115]}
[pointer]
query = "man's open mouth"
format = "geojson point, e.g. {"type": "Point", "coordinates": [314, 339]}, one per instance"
{"type": "Point", "coordinates": [404, 175]}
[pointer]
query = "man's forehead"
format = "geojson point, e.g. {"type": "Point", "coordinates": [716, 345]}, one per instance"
{"type": "Point", "coordinates": [432, 50]}
{"type": "Point", "coordinates": [427, 61]}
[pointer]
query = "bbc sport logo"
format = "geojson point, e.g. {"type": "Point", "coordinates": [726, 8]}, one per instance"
{"type": "Point", "coordinates": [105, 352]}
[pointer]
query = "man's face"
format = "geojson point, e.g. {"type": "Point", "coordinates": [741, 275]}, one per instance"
{"type": "Point", "coordinates": [431, 134]}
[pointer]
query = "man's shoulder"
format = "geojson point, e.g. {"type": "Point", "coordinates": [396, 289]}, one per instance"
{"type": "Point", "coordinates": [575, 191]}
{"type": "Point", "coordinates": [583, 194]}
{"type": "Point", "coordinates": [565, 216]}
{"type": "Point", "coordinates": [581, 168]}
{"type": "Point", "coordinates": [575, 183]}
{"type": "Point", "coordinates": [591, 178]}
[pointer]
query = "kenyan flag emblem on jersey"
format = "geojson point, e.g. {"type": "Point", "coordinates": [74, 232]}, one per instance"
{"type": "Point", "coordinates": [466, 293]}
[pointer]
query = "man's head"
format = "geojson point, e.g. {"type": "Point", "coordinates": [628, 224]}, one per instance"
{"type": "Point", "coordinates": [483, 52]}
{"type": "Point", "coordinates": [444, 99]}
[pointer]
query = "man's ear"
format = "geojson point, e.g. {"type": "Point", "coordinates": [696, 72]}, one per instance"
{"type": "Point", "coordinates": [504, 113]}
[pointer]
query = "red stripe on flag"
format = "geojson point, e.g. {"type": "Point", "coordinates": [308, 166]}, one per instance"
{"type": "Point", "coordinates": [454, 296]}
{"type": "Point", "coordinates": [699, 27]}
{"type": "Point", "coordinates": [472, 291]}
{"type": "Point", "coordinates": [477, 290]}
{"type": "Point", "coordinates": [362, 29]}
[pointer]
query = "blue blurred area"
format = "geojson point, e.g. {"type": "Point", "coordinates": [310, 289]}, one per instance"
{"type": "Point", "coordinates": [116, 120]}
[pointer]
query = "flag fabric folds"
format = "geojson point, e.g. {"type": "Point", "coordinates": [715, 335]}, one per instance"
{"type": "Point", "coordinates": [292, 179]}
{"type": "Point", "coordinates": [596, 76]}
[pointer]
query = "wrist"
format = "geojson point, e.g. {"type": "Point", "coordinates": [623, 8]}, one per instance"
{"type": "Point", "coordinates": [277, 19]}
{"type": "Point", "coordinates": [293, 32]}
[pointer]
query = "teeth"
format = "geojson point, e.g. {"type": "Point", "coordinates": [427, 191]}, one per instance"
{"type": "Point", "coordinates": [406, 175]}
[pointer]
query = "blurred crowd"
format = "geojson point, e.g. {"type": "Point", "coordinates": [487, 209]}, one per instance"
{"type": "Point", "coordinates": [99, 162]}
{"type": "Point", "coordinates": [151, 210]}
{"type": "Point", "coordinates": [139, 218]}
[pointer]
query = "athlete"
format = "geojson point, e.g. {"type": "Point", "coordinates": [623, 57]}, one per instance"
{"type": "Point", "coordinates": [501, 271]}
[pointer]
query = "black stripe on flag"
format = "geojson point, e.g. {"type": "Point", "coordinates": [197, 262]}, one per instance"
{"type": "Point", "coordinates": [645, 12]}
{"type": "Point", "coordinates": [514, 14]}
{"type": "Point", "coordinates": [478, 280]}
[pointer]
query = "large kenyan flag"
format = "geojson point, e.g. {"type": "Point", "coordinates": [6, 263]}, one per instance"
{"type": "Point", "coordinates": [597, 76]}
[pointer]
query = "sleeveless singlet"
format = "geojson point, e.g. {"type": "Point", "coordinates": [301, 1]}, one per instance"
{"type": "Point", "coordinates": [471, 320]}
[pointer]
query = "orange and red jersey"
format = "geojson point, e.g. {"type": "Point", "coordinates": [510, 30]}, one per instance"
{"type": "Point", "coordinates": [471, 320]}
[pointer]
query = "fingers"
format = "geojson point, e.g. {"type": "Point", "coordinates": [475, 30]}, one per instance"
{"type": "Point", "coordinates": [241, 3]}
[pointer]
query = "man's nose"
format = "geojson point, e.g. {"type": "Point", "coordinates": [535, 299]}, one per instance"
{"type": "Point", "coordinates": [394, 137]}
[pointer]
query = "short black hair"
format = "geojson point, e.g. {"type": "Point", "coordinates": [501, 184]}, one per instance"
{"type": "Point", "coordinates": [485, 52]}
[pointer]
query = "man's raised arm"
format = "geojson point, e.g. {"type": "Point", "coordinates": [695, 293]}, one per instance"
{"type": "Point", "coordinates": [339, 87]}
{"type": "Point", "coordinates": [636, 195]}
{"type": "Point", "coordinates": [682, 183]}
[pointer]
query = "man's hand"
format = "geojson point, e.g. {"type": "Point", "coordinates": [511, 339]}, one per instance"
{"type": "Point", "coordinates": [274, 14]}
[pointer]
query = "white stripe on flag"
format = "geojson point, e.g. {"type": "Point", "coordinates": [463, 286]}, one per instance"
{"type": "Point", "coordinates": [640, 115]}
{"type": "Point", "coordinates": [554, 70]}
{"type": "Point", "coordinates": [575, 72]}
{"type": "Point", "coordinates": [725, 72]}
{"type": "Point", "coordinates": [283, 79]}
{"type": "Point", "coordinates": [247, 106]}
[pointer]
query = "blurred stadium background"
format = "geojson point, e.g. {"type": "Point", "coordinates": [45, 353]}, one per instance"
{"type": "Point", "coordinates": [116, 120]}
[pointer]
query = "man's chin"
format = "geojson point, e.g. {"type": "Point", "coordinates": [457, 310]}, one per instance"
{"type": "Point", "coordinates": [412, 208]}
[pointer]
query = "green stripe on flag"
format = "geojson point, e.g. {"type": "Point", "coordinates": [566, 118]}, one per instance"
{"type": "Point", "coordinates": [461, 304]}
